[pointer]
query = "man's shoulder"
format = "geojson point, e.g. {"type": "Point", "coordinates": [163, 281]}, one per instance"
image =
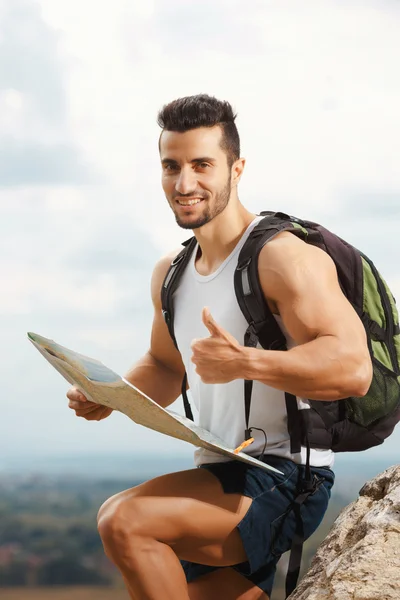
{"type": "Point", "coordinates": [164, 262]}
{"type": "Point", "coordinates": [287, 249]}
{"type": "Point", "coordinates": [287, 264]}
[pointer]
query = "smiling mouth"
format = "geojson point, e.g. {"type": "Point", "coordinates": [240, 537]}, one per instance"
{"type": "Point", "coordinates": [190, 202]}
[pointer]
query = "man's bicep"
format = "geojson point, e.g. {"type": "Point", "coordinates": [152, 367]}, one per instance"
{"type": "Point", "coordinates": [305, 288]}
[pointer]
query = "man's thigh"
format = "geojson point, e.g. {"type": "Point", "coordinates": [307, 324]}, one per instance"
{"type": "Point", "coordinates": [187, 510]}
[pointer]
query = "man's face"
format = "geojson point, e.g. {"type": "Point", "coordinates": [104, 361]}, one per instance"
{"type": "Point", "coordinates": [196, 177]}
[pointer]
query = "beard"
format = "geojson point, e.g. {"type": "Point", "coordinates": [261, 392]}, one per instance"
{"type": "Point", "coordinates": [209, 212]}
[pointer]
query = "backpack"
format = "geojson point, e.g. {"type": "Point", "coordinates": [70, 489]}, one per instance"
{"type": "Point", "coordinates": [346, 425]}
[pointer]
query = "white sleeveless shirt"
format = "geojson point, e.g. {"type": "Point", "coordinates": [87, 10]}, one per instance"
{"type": "Point", "coordinates": [221, 406]}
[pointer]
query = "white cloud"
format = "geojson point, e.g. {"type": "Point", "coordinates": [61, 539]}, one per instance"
{"type": "Point", "coordinates": [55, 291]}
{"type": "Point", "coordinates": [35, 145]}
{"type": "Point", "coordinates": [64, 252]}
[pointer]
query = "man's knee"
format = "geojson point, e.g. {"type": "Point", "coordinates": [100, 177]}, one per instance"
{"type": "Point", "coordinates": [119, 521]}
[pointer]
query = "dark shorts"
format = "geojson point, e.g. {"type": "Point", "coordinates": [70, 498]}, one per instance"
{"type": "Point", "coordinates": [268, 528]}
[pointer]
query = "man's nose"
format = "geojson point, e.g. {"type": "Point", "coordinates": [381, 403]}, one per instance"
{"type": "Point", "coordinates": [186, 182]}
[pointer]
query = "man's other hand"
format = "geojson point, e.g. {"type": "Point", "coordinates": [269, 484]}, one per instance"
{"type": "Point", "coordinates": [86, 409]}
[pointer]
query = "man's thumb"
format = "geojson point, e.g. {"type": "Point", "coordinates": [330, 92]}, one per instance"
{"type": "Point", "coordinates": [208, 320]}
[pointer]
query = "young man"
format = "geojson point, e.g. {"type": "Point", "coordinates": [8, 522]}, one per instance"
{"type": "Point", "coordinates": [218, 531]}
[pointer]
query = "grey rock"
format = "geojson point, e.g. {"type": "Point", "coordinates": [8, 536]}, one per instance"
{"type": "Point", "coordinates": [360, 557]}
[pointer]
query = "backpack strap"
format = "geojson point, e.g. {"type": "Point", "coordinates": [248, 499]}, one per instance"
{"type": "Point", "coordinates": [247, 286]}
{"type": "Point", "coordinates": [263, 327]}
{"type": "Point", "coordinates": [169, 286]}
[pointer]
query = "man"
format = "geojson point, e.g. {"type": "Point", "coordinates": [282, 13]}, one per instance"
{"type": "Point", "coordinates": [217, 532]}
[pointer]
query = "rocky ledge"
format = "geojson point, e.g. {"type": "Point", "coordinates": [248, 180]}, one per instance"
{"type": "Point", "coordinates": [360, 557]}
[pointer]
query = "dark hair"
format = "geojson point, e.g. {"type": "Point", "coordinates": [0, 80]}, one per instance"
{"type": "Point", "coordinates": [202, 110]}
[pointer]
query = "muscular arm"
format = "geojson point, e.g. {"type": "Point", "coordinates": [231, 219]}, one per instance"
{"type": "Point", "coordinates": [331, 359]}
{"type": "Point", "coordinates": [160, 371]}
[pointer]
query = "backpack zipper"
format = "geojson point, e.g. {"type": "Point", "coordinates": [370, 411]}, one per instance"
{"type": "Point", "coordinates": [388, 314]}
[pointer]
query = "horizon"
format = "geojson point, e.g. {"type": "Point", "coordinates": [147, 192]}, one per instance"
{"type": "Point", "coordinates": [28, 461]}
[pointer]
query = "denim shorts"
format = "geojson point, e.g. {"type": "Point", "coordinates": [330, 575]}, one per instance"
{"type": "Point", "coordinates": [268, 528]}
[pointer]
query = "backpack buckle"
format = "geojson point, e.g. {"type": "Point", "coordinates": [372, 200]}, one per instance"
{"type": "Point", "coordinates": [278, 345]}
{"type": "Point", "coordinates": [244, 265]}
{"type": "Point", "coordinates": [177, 259]}
{"type": "Point", "coordinates": [311, 487]}
{"type": "Point", "coordinates": [251, 337]}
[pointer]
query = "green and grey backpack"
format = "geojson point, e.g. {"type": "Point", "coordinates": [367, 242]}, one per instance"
{"type": "Point", "coordinates": [350, 424]}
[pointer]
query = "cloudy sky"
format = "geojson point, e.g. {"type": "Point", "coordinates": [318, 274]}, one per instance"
{"type": "Point", "coordinates": [316, 84]}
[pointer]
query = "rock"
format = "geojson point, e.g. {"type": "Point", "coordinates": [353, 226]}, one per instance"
{"type": "Point", "coordinates": [360, 557]}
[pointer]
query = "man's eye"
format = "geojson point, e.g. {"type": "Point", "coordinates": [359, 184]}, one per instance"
{"type": "Point", "coordinates": [170, 167]}
{"type": "Point", "coordinates": [203, 165]}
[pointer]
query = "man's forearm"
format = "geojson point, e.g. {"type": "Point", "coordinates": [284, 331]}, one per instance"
{"type": "Point", "coordinates": [154, 379]}
{"type": "Point", "coordinates": [318, 370]}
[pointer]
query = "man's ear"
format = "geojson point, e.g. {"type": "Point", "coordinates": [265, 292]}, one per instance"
{"type": "Point", "coordinates": [237, 171]}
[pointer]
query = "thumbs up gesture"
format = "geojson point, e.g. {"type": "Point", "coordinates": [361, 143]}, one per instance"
{"type": "Point", "coordinates": [218, 358]}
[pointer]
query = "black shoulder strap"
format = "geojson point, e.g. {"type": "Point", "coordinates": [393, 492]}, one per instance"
{"type": "Point", "coordinates": [263, 327]}
{"type": "Point", "coordinates": [170, 284]}
{"type": "Point", "coordinates": [247, 286]}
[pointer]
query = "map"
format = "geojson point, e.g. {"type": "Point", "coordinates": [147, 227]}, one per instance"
{"type": "Point", "coordinates": [103, 386]}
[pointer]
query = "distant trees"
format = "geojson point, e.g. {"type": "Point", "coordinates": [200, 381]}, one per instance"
{"type": "Point", "coordinates": [48, 533]}
{"type": "Point", "coordinates": [68, 570]}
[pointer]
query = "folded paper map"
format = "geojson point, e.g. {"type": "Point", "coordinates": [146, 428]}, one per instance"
{"type": "Point", "coordinates": [101, 385]}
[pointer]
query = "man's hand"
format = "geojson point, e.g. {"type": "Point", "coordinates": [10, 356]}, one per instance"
{"type": "Point", "coordinates": [218, 358]}
{"type": "Point", "coordinates": [86, 409]}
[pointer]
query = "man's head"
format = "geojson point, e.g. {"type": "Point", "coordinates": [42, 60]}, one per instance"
{"type": "Point", "coordinates": [200, 157]}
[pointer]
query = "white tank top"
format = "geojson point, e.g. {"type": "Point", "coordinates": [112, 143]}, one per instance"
{"type": "Point", "coordinates": [221, 406]}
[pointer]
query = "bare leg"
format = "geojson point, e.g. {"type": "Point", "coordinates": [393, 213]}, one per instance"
{"type": "Point", "coordinates": [222, 583]}
{"type": "Point", "coordinates": [129, 589]}
{"type": "Point", "coordinates": [153, 572]}
{"type": "Point", "coordinates": [227, 584]}
{"type": "Point", "coordinates": [187, 515]}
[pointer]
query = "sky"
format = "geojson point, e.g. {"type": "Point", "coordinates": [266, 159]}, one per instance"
{"type": "Point", "coordinates": [83, 219]}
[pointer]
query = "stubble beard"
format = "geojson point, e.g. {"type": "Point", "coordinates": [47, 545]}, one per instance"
{"type": "Point", "coordinates": [209, 212]}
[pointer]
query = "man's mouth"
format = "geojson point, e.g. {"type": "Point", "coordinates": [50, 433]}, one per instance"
{"type": "Point", "coordinates": [192, 202]}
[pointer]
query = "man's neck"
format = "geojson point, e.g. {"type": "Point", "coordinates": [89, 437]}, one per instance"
{"type": "Point", "coordinates": [219, 237]}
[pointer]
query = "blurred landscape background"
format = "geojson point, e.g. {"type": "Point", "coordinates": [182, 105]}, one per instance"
{"type": "Point", "coordinates": [49, 544]}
